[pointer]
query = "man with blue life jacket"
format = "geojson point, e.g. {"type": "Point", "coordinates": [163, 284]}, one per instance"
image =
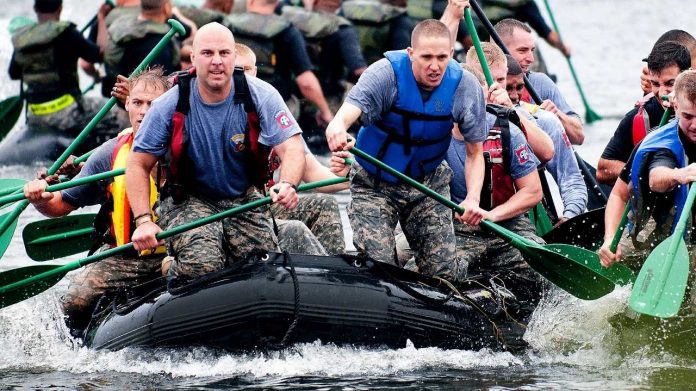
{"type": "Point", "coordinates": [667, 59]}
{"type": "Point", "coordinates": [115, 221]}
{"type": "Point", "coordinates": [407, 104]}
{"type": "Point", "coordinates": [656, 178]}
{"type": "Point", "coordinates": [215, 128]}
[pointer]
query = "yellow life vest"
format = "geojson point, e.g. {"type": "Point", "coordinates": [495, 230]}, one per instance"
{"type": "Point", "coordinates": [122, 224]}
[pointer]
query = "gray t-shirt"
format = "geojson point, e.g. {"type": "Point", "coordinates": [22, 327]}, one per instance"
{"type": "Point", "coordinates": [522, 161]}
{"type": "Point", "coordinates": [92, 193]}
{"type": "Point", "coordinates": [216, 135]}
{"type": "Point", "coordinates": [563, 167]}
{"type": "Point", "coordinates": [375, 93]}
{"type": "Point", "coordinates": [547, 89]}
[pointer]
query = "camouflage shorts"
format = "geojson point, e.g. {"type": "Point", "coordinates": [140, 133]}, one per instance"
{"type": "Point", "coordinates": [490, 256]}
{"type": "Point", "coordinates": [90, 283]}
{"type": "Point", "coordinates": [320, 213]}
{"type": "Point", "coordinates": [376, 207]}
{"type": "Point", "coordinates": [211, 247]}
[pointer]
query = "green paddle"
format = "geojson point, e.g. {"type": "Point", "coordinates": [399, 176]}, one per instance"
{"type": "Point", "coordinates": [21, 283]}
{"type": "Point", "coordinates": [538, 215]}
{"type": "Point", "coordinates": [66, 185]}
{"type": "Point", "coordinates": [661, 283]}
{"type": "Point", "coordinates": [575, 270]}
{"type": "Point", "coordinates": [57, 238]}
{"type": "Point", "coordinates": [9, 220]}
{"type": "Point", "coordinates": [590, 115]}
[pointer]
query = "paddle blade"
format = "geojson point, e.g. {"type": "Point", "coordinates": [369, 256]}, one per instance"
{"type": "Point", "coordinates": [56, 238]}
{"type": "Point", "coordinates": [591, 116]}
{"type": "Point", "coordinates": [10, 110]}
{"type": "Point", "coordinates": [585, 230]}
{"type": "Point", "coordinates": [6, 236]}
{"type": "Point", "coordinates": [567, 267]}
{"type": "Point", "coordinates": [540, 219]}
{"type": "Point", "coordinates": [661, 284]}
{"type": "Point", "coordinates": [618, 273]}
{"type": "Point", "coordinates": [28, 290]}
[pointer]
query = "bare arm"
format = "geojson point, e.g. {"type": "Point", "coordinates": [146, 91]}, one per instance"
{"type": "Point", "coordinates": [452, 15]}
{"type": "Point", "coordinates": [664, 179]}
{"type": "Point", "coordinates": [138, 169]}
{"type": "Point", "coordinates": [49, 204]}
{"type": "Point", "coordinates": [337, 131]}
{"type": "Point", "coordinates": [571, 123]}
{"type": "Point", "coordinates": [527, 195]}
{"type": "Point", "coordinates": [612, 217]}
{"type": "Point", "coordinates": [473, 174]}
{"type": "Point", "coordinates": [541, 143]}
{"type": "Point", "coordinates": [315, 171]}
{"type": "Point", "coordinates": [311, 89]}
{"type": "Point", "coordinates": [292, 166]}
{"type": "Point", "coordinates": [608, 170]}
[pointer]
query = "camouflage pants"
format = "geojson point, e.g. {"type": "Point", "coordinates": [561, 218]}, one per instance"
{"type": "Point", "coordinates": [72, 119]}
{"type": "Point", "coordinates": [295, 238]}
{"type": "Point", "coordinates": [90, 283]}
{"type": "Point", "coordinates": [376, 206]}
{"type": "Point", "coordinates": [211, 247]}
{"type": "Point", "coordinates": [320, 213]}
{"type": "Point", "coordinates": [492, 257]}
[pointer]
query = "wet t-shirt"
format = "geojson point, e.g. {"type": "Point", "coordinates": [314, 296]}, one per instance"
{"type": "Point", "coordinates": [216, 135]}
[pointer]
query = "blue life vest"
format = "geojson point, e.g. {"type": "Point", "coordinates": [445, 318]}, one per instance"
{"type": "Point", "coordinates": [666, 137]}
{"type": "Point", "coordinates": [414, 135]}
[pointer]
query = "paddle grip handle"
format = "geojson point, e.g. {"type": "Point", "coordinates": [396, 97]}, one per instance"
{"type": "Point", "coordinates": [66, 185]}
{"type": "Point", "coordinates": [162, 235]}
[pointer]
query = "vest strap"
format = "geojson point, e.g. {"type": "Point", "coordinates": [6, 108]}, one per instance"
{"type": "Point", "coordinates": [52, 106]}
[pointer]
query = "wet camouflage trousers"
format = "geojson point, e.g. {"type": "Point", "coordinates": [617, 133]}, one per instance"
{"type": "Point", "coordinates": [72, 119]}
{"type": "Point", "coordinates": [320, 213]}
{"type": "Point", "coordinates": [295, 238]}
{"type": "Point", "coordinates": [90, 283]}
{"type": "Point", "coordinates": [491, 257]}
{"type": "Point", "coordinates": [211, 247]}
{"type": "Point", "coordinates": [376, 207]}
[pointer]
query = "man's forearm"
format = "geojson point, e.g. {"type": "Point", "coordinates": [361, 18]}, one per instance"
{"type": "Point", "coordinates": [663, 179]}
{"type": "Point", "coordinates": [311, 89]}
{"type": "Point", "coordinates": [292, 157]}
{"type": "Point", "coordinates": [573, 128]}
{"type": "Point", "coordinates": [473, 173]}
{"type": "Point", "coordinates": [609, 170]}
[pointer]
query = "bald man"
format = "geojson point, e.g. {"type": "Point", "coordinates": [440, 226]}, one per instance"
{"type": "Point", "coordinates": [216, 167]}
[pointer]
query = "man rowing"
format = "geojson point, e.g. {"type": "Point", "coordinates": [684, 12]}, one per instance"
{"type": "Point", "coordinates": [518, 38]}
{"type": "Point", "coordinates": [215, 127]}
{"type": "Point", "coordinates": [407, 103]}
{"type": "Point", "coordinates": [115, 218]}
{"type": "Point", "coordinates": [667, 59]}
{"type": "Point", "coordinates": [655, 178]}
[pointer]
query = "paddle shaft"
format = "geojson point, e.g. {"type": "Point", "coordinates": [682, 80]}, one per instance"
{"type": "Point", "coordinates": [162, 235]}
{"type": "Point", "coordinates": [62, 236]}
{"type": "Point", "coordinates": [619, 230]}
{"type": "Point", "coordinates": [94, 18]}
{"type": "Point", "coordinates": [514, 238]}
{"type": "Point", "coordinates": [176, 27]}
{"type": "Point", "coordinates": [66, 185]}
{"type": "Point", "coordinates": [477, 44]}
{"type": "Point", "coordinates": [570, 62]}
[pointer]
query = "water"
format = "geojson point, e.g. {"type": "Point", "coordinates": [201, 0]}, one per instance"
{"type": "Point", "coordinates": [572, 344]}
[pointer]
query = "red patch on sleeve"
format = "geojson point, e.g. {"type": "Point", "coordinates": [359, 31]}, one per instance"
{"type": "Point", "coordinates": [284, 120]}
{"type": "Point", "coordinates": [522, 154]}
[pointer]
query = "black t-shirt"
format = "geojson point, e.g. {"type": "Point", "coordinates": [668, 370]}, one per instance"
{"type": "Point", "coordinates": [68, 47]}
{"type": "Point", "coordinates": [621, 143]}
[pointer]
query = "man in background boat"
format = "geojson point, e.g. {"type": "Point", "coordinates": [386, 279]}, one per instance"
{"type": "Point", "coordinates": [218, 164]}
{"type": "Point", "coordinates": [655, 178]}
{"type": "Point", "coordinates": [407, 104]}
{"type": "Point", "coordinates": [115, 221]}
{"type": "Point", "coordinates": [518, 38]}
{"type": "Point", "coordinates": [45, 59]}
{"type": "Point", "coordinates": [317, 216]}
{"type": "Point", "coordinates": [666, 60]}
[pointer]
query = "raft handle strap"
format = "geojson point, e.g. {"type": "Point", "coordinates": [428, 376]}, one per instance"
{"type": "Point", "coordinates": [287, 260]}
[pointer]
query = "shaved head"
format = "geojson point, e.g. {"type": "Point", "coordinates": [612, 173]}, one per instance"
{"type": "Point", "coordinates": [212, 30]}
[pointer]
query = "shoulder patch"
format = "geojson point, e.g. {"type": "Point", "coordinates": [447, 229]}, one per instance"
{"type": "Point", "coordinates": [522, 153]}
{"type": "Point", "coordinates": [283, 119]}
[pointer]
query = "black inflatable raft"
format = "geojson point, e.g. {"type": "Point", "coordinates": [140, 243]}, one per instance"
{"type": "Point", "coordinates": [274, 300]}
